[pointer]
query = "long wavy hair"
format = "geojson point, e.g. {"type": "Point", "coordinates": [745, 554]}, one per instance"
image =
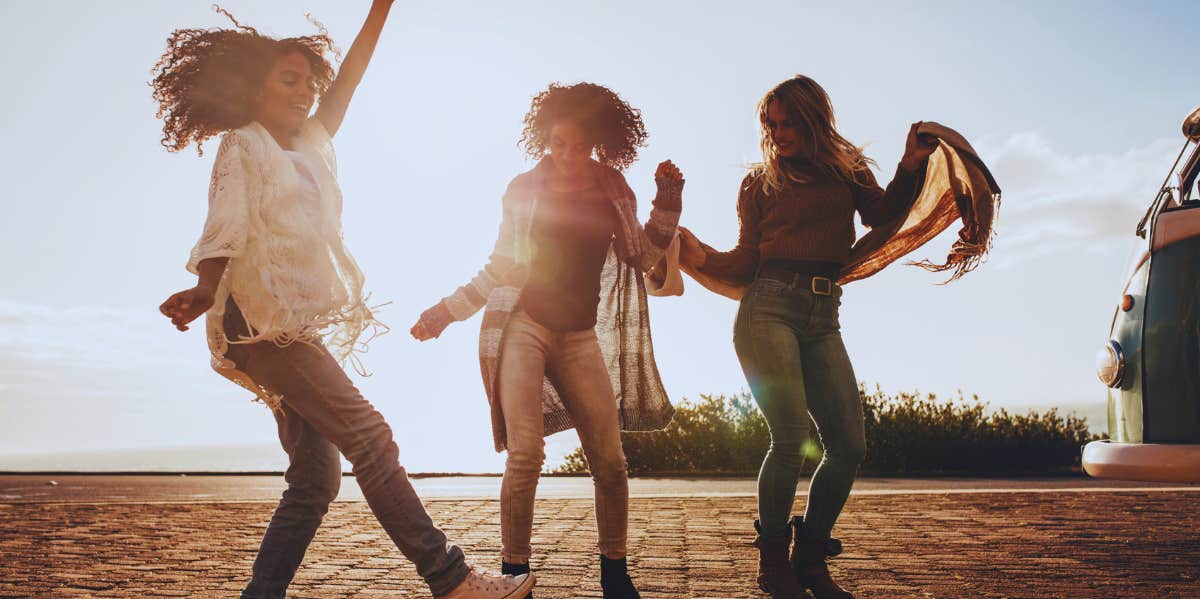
{"type": "Point", "coordinates": [206, 80]}
{"type": "Point", "coordinates": [809, 107]}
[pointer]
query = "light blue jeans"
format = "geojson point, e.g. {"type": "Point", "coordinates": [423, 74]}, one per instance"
{"type": "Point", "coordinates": [790, 346]}
{"type": "Point", "coordinates": [572, 359]}
{"type": "Point", "coordinates": [324, 415]}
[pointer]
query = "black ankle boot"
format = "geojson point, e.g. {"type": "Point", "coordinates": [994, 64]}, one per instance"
{"type": "Point", "coordinates": [615, 581]}
{"type": "Point", "coordinates": [808, 561]}
{"type": "Point", "coordinates": [516, 570]}
{"type": "Point", "coordinates": [775, 575]}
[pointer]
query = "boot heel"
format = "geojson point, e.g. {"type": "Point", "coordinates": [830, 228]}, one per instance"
{"type": "Point", "coordinates": [808, 562]}
{"type": "Point", "coordinates": [775, 576]}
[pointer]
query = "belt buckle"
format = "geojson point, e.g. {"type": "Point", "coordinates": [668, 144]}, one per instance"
{"type": "Point", "coordinates": [822, 286]}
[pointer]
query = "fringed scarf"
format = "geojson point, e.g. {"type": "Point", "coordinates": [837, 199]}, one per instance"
{"type": "Point", "coordinates": [956, 185]}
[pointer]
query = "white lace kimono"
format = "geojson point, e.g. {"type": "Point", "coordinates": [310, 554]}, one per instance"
{"type": "Point", "coordinates": [289, 273]}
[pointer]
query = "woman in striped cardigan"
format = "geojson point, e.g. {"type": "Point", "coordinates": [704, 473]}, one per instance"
{"type": "Point", "coordinates": [565, 340]}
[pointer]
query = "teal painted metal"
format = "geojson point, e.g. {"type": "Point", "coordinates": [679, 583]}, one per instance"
{"type": "Point", "coordinates": [1125, 423]}
{"type": "Point", "coordinates": [1171, 341]}
{"type": "Point", "coordinates": [1154, 413]}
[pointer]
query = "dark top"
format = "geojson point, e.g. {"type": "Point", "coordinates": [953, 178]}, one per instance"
{"type": "Point", "coordinates": [807, 222]}
{"type": "Point", "coordinates": [570, 237]}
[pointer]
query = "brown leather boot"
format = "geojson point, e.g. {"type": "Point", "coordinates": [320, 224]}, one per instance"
{"type": "Point", "coordinates": [808, 562]}
{"type": "Point", "coordinates": [775, 576]}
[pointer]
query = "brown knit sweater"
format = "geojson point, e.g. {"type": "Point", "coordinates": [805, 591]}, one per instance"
{"type": "Point", "coordinates": [811, 222]}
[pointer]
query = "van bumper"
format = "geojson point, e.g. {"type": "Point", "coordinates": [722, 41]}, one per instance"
{"type": "Point", "coordinates": [1155, 462]}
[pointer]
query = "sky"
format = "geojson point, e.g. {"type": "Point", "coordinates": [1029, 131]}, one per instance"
{"type": "Point", "coordinates": [1075, 106]}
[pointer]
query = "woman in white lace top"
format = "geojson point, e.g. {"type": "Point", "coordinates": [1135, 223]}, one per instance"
{"type": "Point", "coordinates": [283, 295]}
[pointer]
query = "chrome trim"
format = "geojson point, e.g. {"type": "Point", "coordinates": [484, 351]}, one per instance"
{"type": "Point", "coordinates": [1164, 191]}
{"type": "Point", "coordinates": [1191, 125]}
{"type": "Point", "coordinates": [1119, 378]}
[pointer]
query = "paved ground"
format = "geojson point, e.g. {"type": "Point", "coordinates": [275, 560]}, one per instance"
{"type": "Point", "coordinates": [1066, 543]}
{"type": "Point", "coordinates": [90, 488]}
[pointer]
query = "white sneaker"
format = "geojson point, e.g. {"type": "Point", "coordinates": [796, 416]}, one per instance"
{"type": "Point", "coordinates": [485, 585]}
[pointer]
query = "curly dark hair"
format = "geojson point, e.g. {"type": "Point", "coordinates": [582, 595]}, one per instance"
{"type": "Point", "coordinates": [206, 80]}
{"type": "Point", "coordinates": [614, 125]}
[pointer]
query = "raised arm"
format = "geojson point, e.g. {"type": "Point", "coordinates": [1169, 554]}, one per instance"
{"type": "Point", "coordinates": [337, 98]}
{"type": "Point", "coordinates": [877, 205]}
{"type": "Point", "coordinates": [658, 231]}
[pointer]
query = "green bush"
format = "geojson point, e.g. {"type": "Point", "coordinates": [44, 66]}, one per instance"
{"type": "Point", "coordinates": [907, 433]}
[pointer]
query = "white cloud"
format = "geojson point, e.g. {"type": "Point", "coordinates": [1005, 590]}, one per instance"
{"type": "Point", "coordinates": [84, 336]}
{"type": "Point", "coordinates": [91, 377]}
{"type": "Point", "coordinates": [1056, 201]}
{"type": "Point", "coordinates": [91, 351]}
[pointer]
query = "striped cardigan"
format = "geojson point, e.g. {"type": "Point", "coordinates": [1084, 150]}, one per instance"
{"type": "Point", "coordinates": [622, 320]}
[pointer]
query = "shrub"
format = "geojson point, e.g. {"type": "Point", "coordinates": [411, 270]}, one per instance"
{"type": "Point", "coordinates": [908, 433]}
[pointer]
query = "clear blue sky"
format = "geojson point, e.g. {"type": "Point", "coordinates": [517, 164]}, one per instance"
{"type": "Point", "coordinates": [1076, 106]}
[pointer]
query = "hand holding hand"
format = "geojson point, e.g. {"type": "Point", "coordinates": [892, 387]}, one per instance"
{"type": "Point", "coordinates": [917, 148]}
{"type": "Point", "coordinates": [668, 177]}
{"type": "Point", "coordinates": [185, 306]}
{"type": "Point", "coordinates": [691, 252]}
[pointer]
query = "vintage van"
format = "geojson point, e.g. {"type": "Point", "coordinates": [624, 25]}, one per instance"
{"type": "Point", "coordinates": [1151, 361]}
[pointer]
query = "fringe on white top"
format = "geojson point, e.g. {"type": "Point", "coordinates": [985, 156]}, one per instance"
{"type": "Point", "coordinates": [291, 275]}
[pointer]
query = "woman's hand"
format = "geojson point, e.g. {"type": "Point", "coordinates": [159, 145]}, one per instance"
{"type": "Point", "coordinates": [431, 323]}
{"type": "Point", "coordinates": [691, 252]}
{"type": "Point", "coordinates": [668, 177]}
{"type": "Point", "coordinates": [185, 306]}
{"type": "Point", "coordinates": [419, 333]}
{"type": "Point", "coordinates": [917, 148]}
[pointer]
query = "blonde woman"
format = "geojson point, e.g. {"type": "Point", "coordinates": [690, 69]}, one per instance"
{"type": "Point", "coordinates": [566, 302]}
{"type": "Point", "coordinates": [283, 295]}
{"type": "Point", "coordinates": [796, 211]}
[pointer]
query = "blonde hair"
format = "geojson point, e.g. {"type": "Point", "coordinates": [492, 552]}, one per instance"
{"type": "Point", "coordinates": [809, 107]}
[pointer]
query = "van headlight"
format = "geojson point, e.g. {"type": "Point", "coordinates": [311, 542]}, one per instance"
{"type": "Point", "coordinates": [1110, 364]}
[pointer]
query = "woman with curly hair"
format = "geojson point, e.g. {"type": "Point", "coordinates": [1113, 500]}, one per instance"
{"type": "Point", "coordinates": [796, 211]}
{"type": "Point", "coordinates": [565, 338]}
{"type": "Point", "coordinates": [282, 294]}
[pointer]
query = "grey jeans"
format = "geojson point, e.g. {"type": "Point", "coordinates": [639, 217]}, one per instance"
{"type": "Point", "coordinates": [324, 415]}
{"type": "Point", "coordinates": [789, 342]}
{"type": "Point", "coordinates": [573, 361]}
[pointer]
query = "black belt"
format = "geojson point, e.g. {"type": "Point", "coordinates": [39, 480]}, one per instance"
{"type": "Point", "coordinates": [820, 277]}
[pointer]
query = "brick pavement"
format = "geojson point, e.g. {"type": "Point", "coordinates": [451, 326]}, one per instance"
{"type": "Point", "coordinates": [1064, 544]}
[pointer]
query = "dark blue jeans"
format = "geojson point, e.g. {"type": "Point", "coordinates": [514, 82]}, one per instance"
{"type": "Point", "coordinates": [324, 415]}
{"type": "Point", "coordinates": [790, 346]}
